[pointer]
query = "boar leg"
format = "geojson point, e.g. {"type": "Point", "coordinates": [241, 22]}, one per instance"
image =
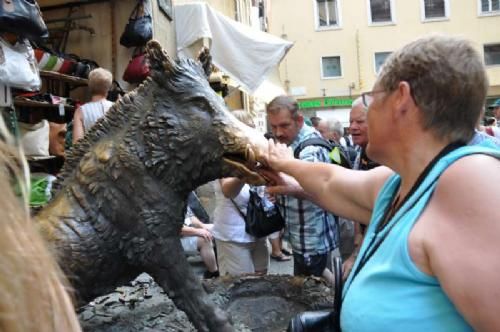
{"type": "Point", "coordinates": [170, 269]}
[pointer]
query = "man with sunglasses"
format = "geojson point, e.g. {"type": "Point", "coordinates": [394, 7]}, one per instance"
{"type": "Point", "coordinates": [429, 260]}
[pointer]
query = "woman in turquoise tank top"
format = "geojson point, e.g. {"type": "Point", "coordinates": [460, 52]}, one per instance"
{"type": "Point", "coordinates": [430, 258]}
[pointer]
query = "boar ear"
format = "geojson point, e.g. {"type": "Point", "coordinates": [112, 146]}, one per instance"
{"type": "Point", "coordinates": [158, 57]}
{"type": "Point", "coordinates": [205, 59]}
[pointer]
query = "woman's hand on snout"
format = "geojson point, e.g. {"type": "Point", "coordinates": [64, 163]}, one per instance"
{"type": "Point", "coordinates": [277, 155]}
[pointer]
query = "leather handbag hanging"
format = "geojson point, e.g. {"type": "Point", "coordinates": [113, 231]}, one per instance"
{"type": "Point", "coordinates": [22, 17]}
{"type": "Point", "coordinates": [137, 69]}
{"type": "Point", "coordinates": [18, 67]}
{"type": "Point", "coordinates": [68, 66]}
{"type": "Point", "coordinates": [262, 217]}
{"type": "Point", "coordinates": [138, 30]}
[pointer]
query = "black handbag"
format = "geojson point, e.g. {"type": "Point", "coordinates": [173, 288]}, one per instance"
{"type": "Point", "coordinates": [325, 320]}
{"type": "Point", "coordinates": [138, 30]}
{"type": "Point", "coordinates": [263, 217]}
{"type": "Point", "coordinates": [22, 17]}
{"type": "Point", "coordinates": [337, 296]}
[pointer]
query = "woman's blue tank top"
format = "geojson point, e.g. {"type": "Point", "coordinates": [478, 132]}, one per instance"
{"type": "Point", "coordinates": [390, 293]}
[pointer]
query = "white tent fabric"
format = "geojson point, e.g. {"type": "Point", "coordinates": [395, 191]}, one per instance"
{"type": "Point", "coordinates": [270, 87]}
{"type": "Point", "coordinates": [244, 53]}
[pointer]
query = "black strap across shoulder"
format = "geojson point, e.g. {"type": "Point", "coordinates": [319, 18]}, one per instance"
{"type": "Point", "coordinates": [316, 141]}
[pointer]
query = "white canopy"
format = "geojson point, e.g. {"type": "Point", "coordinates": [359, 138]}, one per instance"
{"type": "Point", "coordinates": [244, 53]}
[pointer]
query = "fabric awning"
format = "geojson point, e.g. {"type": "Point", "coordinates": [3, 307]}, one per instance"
{"type": "Point", "coordinates": [246, 54]}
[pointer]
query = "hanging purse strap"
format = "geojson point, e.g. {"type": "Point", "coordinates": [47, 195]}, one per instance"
{"type": "Point", "coordinates": [139, 50]}
{"type": "Point", "coordinates": [337, 273]}
{"type": "Point", "coordinates": [138, 10]}
{"type": "Point", "coordinates": [238, 209]}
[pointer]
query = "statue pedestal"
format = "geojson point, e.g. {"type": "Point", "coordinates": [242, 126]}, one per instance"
{"type": "Point", "coordinates": [254, 303]}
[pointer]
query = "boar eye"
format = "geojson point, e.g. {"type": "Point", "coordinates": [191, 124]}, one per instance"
{"type": "Point", "coordinates": [202, 103]}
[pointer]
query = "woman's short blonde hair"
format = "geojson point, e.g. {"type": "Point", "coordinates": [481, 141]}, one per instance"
{"type": "Point", "coordinates": [100, 81]}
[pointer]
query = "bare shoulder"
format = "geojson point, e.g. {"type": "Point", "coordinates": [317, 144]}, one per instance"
{"type": "Point", "coordinates": [463, 207]}
{"type": "Point", "coordinates": [459, 231]}
{"type": "Point", "coordinates": [471, 179]}
{"type": "Point", "coordinates": [469, 191]}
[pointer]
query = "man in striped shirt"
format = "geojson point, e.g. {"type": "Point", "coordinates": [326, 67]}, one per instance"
{"type": "Point", "coordinates": [312, 232]}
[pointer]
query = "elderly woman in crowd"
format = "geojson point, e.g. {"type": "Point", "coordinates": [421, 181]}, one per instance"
{"type": "Point", "coordinates": [429, 260]}
{"type": "Point", "coordinates": [100, 81]}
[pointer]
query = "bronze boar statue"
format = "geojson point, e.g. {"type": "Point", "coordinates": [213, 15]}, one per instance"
{"type": "Point", "coordinates": [121, 198]}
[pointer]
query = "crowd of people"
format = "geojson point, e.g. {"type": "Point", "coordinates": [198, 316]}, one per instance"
{"type": "Point", "coordinates": [415, 219]}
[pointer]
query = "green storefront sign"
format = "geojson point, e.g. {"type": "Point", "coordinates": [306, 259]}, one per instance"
{"type": "Point", "coordinates": [325, 102]}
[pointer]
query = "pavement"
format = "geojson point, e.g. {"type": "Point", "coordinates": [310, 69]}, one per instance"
{"type": "Point", "coordinates": [275, 267]}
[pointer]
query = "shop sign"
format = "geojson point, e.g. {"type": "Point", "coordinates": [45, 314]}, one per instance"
{"type": "Point", "coordinates": [325, 102]}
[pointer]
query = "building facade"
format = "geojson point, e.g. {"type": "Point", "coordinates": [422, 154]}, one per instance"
{"type": "Point", "coordinates": [340, 45]}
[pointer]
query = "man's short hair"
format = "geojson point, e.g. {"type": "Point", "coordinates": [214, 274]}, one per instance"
{"type": "Point", "coordinates": [100, 81]}
{"type": "Point", "coordinates": [357, 102]}
{"type": "Point", "coordinates": [283, 102]}
{"type": "Point", "coordinates": [315, 120]}
{"type": "Point", "coordinates": [448, 83]}
{"type": "Point", "coordinates": [335, 126]}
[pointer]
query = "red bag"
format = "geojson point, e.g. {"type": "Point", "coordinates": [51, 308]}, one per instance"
{"type": "Point", "coordinates": [137, 69]}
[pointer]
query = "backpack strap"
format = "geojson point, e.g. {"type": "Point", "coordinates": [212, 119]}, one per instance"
{"type": "Point", "coordinates": [332, 148]}
{"type": "Point", "coordinates": [316, 141]}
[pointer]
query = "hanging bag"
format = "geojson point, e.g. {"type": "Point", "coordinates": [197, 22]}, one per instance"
{"type": "Point", "coordinates": [138, 30]}
{"type": "Point", "coordinates": [22, 17]}
{"type": "Point", "coordinates": [35, 138]}
{"type": "Point", "coordinates": [137, 69]}
{"type": "Point", "coordinates": [115, 92]}
{"type": "Point", "coordinates": [263, 217]}
{"type": "Point", "coordinates": [18, 67]}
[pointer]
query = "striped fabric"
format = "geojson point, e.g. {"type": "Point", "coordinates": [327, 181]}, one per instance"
{"type": "Point", "coordinates": [310, 230]}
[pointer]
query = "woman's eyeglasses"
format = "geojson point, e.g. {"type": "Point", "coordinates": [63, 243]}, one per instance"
{"type": "Point", "coordinates": [367, 97]}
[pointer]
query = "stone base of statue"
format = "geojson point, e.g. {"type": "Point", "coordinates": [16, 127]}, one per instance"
{"type": "Point", "coordinates": [262, 304]}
